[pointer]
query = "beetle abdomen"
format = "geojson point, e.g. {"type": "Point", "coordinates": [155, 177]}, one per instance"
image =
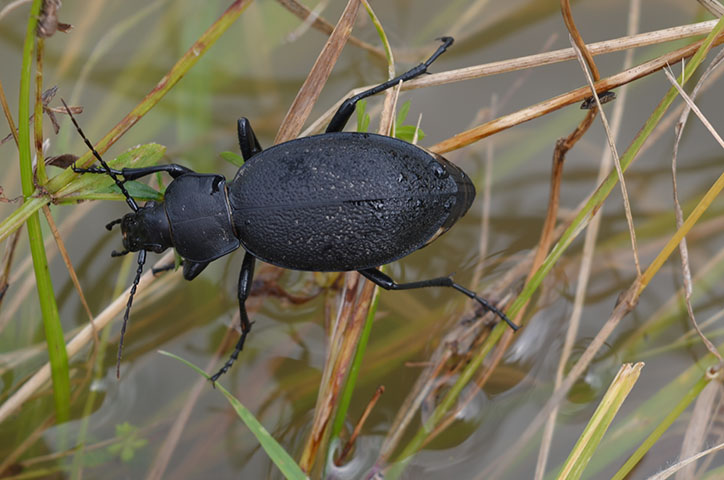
{"type": "Point", "coordinates": [345, 201]}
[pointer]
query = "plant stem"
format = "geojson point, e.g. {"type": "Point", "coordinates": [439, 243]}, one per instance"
{"type": "Point", "coordinates": [51, 319]}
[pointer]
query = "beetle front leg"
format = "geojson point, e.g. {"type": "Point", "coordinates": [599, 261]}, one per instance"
{"type": "Point", "coordinates": [173, 169]}
{"type": "Point", "coordinates": [384, 281]}
{"type": "Point", "coordinates": [245, 281]}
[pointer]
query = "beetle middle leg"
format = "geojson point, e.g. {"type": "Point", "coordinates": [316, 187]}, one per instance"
{"type": "Point", "coordinates": [346, 110]}
{"type": "Point", "coordinates": [245, 281]}
{"type": "Point", "coordinates": [384, 281]}
{"type": "Point", "coordinates": [248, 143]}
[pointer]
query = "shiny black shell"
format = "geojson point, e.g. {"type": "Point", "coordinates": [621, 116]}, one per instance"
{"type": "Point", "coordinates": [344, 201]}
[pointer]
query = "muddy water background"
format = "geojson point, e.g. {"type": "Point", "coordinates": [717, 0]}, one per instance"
{"type": "Point", "coordinates": [255, 70]}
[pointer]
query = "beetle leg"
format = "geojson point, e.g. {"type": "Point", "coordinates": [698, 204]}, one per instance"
{"type": "Point", "coordinates": [346, 110]}
{"type": "Point", "coordinates": [192, 269]}
{"type": "Point", "coordinates": [382, 280]}
{"type": "Point", "coordinates": [248, 142]}
{"type": "Point", "coordinates": [245, 281]}
{"type": "Point", "coordinates": [172, 169]}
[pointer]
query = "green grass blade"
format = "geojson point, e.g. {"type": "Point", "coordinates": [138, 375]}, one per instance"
{"type": "Point", "coordinates": [57, 354]}
{"type": "Point", "coordinates": [276, 452]}
{"type": "Point", "coordinates": [590, 439]}
{"type": "Point", "coordinates": [660, 409]}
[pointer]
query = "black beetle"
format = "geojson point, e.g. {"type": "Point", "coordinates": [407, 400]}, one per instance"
{"type": "Point", "coordinates": [338, 201]}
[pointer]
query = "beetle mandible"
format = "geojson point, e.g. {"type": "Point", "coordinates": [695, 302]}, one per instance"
{"type": "Point", "coordinates": [338, 201]}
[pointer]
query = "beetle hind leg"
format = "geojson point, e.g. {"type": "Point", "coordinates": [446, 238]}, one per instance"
{"type": "Point", "coordinates": [345, 111]}
{"type": "Point", "coordinates": [384, 281]}
{"type": "Point", "coordinates": [245, 282]}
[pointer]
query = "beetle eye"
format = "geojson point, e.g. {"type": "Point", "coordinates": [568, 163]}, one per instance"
{"type": "Point", "coordinates": [439, 170]}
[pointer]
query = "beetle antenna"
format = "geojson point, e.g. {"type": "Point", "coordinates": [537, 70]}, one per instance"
{"type": "Point", "coordinates": [115, 253]}
{"type": "Point", "coordinates": [139, 271]}
{"type": "Point", "coordinates": [129, 199]}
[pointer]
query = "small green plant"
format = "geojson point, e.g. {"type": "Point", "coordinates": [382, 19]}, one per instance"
{"type": "Point", "coordinates": [406, 132]}
{"type": "Point", "coordinates": [363, 119]}
{"type": "Point", "coordinates": [128, 441]}
{"type": "Point", "coordinates": [402, 131]}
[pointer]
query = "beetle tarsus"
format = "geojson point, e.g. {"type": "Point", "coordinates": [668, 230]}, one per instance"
{"type": "Point", "coordinates": [446, 42]}
{"type": "Point", "coordinates": [232, 358]}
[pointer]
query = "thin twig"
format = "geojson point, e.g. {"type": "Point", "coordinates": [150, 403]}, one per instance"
{"type": "Point", "coordinates": [713, 6]}
{"type": "Point", "coordinates": [8, 115]}
{"type": "Point", "coordinates": [683, 250]}
{"type": "Point", "coordinates": [307, 96]}
{"type": "Point", "coordinates": [535, 111]}
{"type": "Point", "coordinates": [702, 420]}
{"type": "Point", "coordinates": [324, 26]}
{"type": "Point", "coordinates": [69, 265]}
{"type": "Point", "coordinates": [693, 107]}
{"type": "Point", "coordinates": [12, 6]}
{"type": "Point", "coordinates": [358, 428]}
{"type": "Point", "coordinates": [683, 463]}
{"type": "Point", "coordinates": [619, 170]}
{"type": "Point", "coordinates": [559, 155]}
{"type": "Point", "coordinates": [538, 60]}
{"type": "Point", "coordinates": [577, 41]}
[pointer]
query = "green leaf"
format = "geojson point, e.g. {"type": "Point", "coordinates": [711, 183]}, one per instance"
{"type": "Point", "coordinates": [232, 158]}
{"type": "Point", "coordinates": [402, 114]}
{"type": "Point", "coordinates": [100, 186]}
{"type": "Point", "coordinates": [407, 133]}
